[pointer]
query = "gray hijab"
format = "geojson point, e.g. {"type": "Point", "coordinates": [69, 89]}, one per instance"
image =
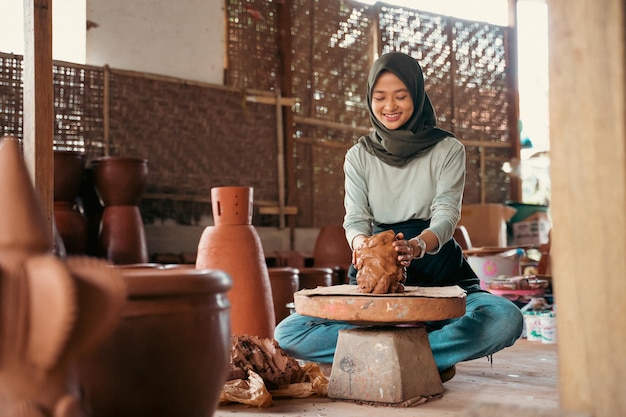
{"type": "Point", "coordinates": [419, 133]}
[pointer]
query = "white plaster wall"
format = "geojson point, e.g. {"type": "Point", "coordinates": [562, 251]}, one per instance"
{"type": "Point", "coordinates": [173, 238]}
{"type": "Point", "coordinates": [183, 38]}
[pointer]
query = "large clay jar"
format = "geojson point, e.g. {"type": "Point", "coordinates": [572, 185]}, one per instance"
{"type": "Point", "coordinates": [122, 236]}
{"type": "Point", "coordinates": [169, 356]}
{"type": "Point", "coordinates": [71, 224]}
{"type": "Point", "coordinates": [68, 172]}
{"type": "Point", "coordinates": [313, 277]}
{"type": "Point", "coordinates": [284, 281]}
{"type": "Point", "coordinates": [120, 182]}
{"type": "Point", "coordinates": [233, 245]}
{"type": "Point", "coordinates": [332, 251]}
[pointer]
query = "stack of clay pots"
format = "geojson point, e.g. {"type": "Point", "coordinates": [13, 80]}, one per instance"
{"type": "Point", "coordinates": [120, 183]}
{"type": "Point", "coordinates": [70, 222]}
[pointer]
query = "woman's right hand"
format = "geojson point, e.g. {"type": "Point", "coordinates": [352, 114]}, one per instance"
{"type": "Point", "coordinates": [357, 242]}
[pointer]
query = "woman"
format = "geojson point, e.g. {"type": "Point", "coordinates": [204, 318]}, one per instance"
{"type": "Point", "coordinates": [408, 176]}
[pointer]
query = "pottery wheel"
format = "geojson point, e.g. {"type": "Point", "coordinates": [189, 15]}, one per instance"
{"type": "Point", "coordinates": [416, 304]}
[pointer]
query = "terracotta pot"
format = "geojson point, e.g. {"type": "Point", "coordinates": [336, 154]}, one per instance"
{"type": "Point", "coordinates": [170, 354]}
{"type": "Point", "coordinates": [234, 246]}
{"type": "Point", "coordinates": [315, 277]}
{"type": "Point", "coordinates": [232, 205]}
{"type": "Point", "coordinates": [284, 282]}
{"type": "Point", "coordinates": [68, 172]}
{"type": "Point", "coordinates": [71, 226]}
{"type": "Point", "coordinates": [120, 180]}
{"type": "Point", "coordinates": [122, 235]}
{"type": "Point", "coordinates": [333, 251]}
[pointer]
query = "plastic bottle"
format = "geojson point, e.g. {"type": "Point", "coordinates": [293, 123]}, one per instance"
{"type": "Point", "coordinates": [532, 312]}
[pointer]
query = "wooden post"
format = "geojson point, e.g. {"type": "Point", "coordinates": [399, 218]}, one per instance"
{"type": "Point", "coordinates": [280, 158]}
{"type": "Point", "coordinates": [38, 101]}
{"type": "Point", "coordinates": [513, 94]}
{"type": "Point", "coordinates": [588, 168]}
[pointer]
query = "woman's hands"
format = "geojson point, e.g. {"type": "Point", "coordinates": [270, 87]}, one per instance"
{"type": "Point", "coordinates": [406, 251]}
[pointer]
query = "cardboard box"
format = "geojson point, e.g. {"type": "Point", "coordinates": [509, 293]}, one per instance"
{"type": "Point", "coordinates": [534, 230]}
{"type": "Point", "coordinates": [486, 224]}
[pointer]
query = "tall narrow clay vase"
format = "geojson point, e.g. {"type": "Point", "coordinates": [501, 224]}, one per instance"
{"type": "Point", "coordinates": [169, 356]}
{"type": "Point", "coordinates": [233, 245]}
{"type": "Point", "coordinates": [120, 182]}
{"type": "Point", "coordinates": [71, 224]}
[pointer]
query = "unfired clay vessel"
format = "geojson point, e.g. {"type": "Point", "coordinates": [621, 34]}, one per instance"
{"type": "Point", "coordinates": [52, 311]}
{"type": "Point", "coordinates": [233, 245]}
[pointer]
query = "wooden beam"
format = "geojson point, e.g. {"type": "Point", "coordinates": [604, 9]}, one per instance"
{"type": "Point", "coordinates": [284, 101]}
{"type": "Point", "coordinates": [39, 101]}
{"type": "Point", "coordinates": [588, 169]}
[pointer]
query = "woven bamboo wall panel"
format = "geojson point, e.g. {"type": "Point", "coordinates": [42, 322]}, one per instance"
{"type": "Point", "coordinates": [78, 104]}
{"type": "Point", "coordinates": [480, 82]}
{"type": "Point", "coordinates": [79, 109]}
{"type": "Point", "coordinates": [252, 51]}
{"type": "Point", "coordinates": [321, 188]}
{"type": "Point", "coordinates": [11, 98]}
{"type": "Point", "coordinates": [340, 55]}
{"type": "Point", "coordinates": [195, 137]}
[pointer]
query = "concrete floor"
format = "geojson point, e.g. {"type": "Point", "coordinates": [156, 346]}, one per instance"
{"type": "Point", "coordinates": [522, 375]}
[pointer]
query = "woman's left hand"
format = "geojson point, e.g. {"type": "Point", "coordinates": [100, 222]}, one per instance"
{"type": "Point", "coordinates": [405, 250]}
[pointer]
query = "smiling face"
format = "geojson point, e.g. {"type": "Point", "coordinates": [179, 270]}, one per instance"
{"type": "Point", "coordinates": [392, 104]}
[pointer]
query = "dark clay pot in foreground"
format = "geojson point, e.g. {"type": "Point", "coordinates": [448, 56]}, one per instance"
{"type": "Point", "coordinates": [170, 354]}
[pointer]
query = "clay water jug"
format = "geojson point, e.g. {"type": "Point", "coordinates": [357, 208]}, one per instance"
{"type": "Point", "coordinates": [284, 282]}
{"type": "Point", "coordinates": [233, 245]}
{"type": "Point", "coordinates": [70, 222]}
{"type": "Point", "coordinates": [120, 182]}
{"type": "Point", "coordinates": [169, 356]}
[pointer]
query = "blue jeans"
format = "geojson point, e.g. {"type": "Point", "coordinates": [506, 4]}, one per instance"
{"type": "Point", "coordinates": [490, 323]}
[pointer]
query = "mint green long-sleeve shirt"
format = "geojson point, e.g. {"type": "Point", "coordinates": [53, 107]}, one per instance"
{"type": "Point", "coordinates": [428, 187]}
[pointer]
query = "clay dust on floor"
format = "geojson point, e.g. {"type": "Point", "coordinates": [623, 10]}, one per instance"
{"type": "Point", "coordinates": [524, 374]}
